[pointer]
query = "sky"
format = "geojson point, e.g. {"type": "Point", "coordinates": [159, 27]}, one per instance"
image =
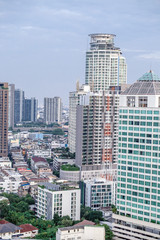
{"type": "Point", "coordinates": [43, 42]}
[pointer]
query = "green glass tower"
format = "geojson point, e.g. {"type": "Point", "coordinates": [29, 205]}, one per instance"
{"type": "Point", "coordinates": [138, 189]}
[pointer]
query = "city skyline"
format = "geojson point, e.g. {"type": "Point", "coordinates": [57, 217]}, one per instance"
{"type": "Point", "coordinates": [45, 41]}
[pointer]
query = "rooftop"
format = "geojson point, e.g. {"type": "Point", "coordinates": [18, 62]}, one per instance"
{"type": "Point", "coordinates": [149, 76]}
{"type": "Point", "coordinates": [148, 84]}
{"type": "Point", "coordinates": [27, 228]}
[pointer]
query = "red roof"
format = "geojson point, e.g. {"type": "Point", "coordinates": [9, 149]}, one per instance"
{"type": "Point", "coordinates": [27, 228]}
{"type": "Point", "coordinates": [38, 159]}
{"type": "Point", "coordinates": [84, 223]}
{"type": "Point", "coordinates": [3, 221]}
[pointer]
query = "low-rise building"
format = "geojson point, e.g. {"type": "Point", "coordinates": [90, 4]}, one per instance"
{"type": "Point", "coordinates": [8, 230]}
{"type": "Point", "coordinates": [10, 180]}
{"type": "Point", "coordinates": [58, 162]}
{"type": "Point", "coordinates": [36, 161]}
{"type": "Point", "coordinates": [5, 162]}
{"type": "Point", "coordinates": [81, 231]}
{"type": "Point", "coordinates": [61, 199]}
{"type": "Point", "coordinates": [28, 230]}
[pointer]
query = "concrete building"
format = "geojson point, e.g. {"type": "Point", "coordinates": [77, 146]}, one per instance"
{"type": "Point", "coordinates": [85, 230]}
{"type": "Point", "coordinates": [73, 102]}
{"type": "Point", "coordinates": [105, 65]}
{"type": "Point", "coordinates": [10, 180]}
{"type": "Point", "coordinates": [18, 105]}
{"type": "Point", "coordinates": [62, 200]}
{"type": "Point", "coordinates": [97, 130]}
{"type": "Point", "coordinates": [3, 119]}
{"type": "Point", "coordinates": [5, 162]}
{"type": "Point", "coordinates": [58, 162]}
{"type": "Point", "coordinates": [52, 110]}
{"type": "Point", "coordinates": [98, 193]}
{"type": "Point", "coordinates": [11, 88]}
{"type": "Point", "coordinates": [138, 194]}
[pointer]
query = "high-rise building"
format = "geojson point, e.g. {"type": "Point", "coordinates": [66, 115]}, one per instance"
{"type": "Point", "coordinates": [18, 106]}
{"type": "Point", "coordinates": [52, 110]}
{"type": "Point", "coordinates": [97, 129]}
{"type": "Point", "coordinates": [105, 65]}
{"type": "Point", "coordinates": [138, 190]}
{"type": "Point", "coordinates": [30, 110]}
{"type": "Point", "coordinates": [3, 119]}
{"type": "Point", "coordinates": [11, 89]}
{"type": "Point", "coordinates": [73, 102]}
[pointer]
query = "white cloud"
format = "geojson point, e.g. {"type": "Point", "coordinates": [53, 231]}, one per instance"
{"type": "Point", "coordinates": [151, 55]}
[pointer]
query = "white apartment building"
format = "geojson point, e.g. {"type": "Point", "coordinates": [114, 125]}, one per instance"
{"type": "Point", "coordinates": [81, 233]}
{"type": "Point", "coordinates": [52, 110]}
{"type": "Point", "coordinates": [10, 180]}
{"type": "Point", "coordinates": [5, 162]}
{"type": "Point", "coordinates": [42, 153]}
{"type": "Point", "coordinates": [138, 187]}
{"type": "Point", "coordinates": [105, 65]}
{"type": "Point", "coordinates": [73, 102]}
{"type": "Point", "coordinates": [98, 193]}
{"type": "Point", "coordinates": [62, 200]}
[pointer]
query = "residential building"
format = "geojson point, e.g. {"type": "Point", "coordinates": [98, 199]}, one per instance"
{"type": "Point", "coordinates": [5, 162]}
{"type": "Point", "coordinates": [52, 110]}
{"type": "Point", "coordinates": [28, 231]}
{"type": "Point", "coordinates": [97, 130]}
{"type": "Point", "coordinates": [138, 194]}
{"type": "Point", "coordinates": [10, 180]}
{"type": "Point", "coordinates": [18, 106]}
{"type": "Point", "coordinates": [11, 88]}
{"type": "Point", "coordinates": [73, 102]}
{"type": "Point", "coordinates": [105, 65]}
{"type": "Point", "coordinates": [3, 119]}
{"type": "Point", "coordinates": [38, 161]}
{"type": "Point", "coordinates": [9, 230]}
{"type": "Point", "coordinates": [60, 199]}
{"type": "Point", "coordinates": [84, 230]}
{"type": "Point", "coordinates": [98, 193]}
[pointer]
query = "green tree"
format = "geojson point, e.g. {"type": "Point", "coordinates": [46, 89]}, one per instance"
{"type": "Point", "coordinates": [108, 233]}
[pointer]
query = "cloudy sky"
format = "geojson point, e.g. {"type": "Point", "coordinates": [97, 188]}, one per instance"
{"type": "Point", "coordinates": [43, 42]}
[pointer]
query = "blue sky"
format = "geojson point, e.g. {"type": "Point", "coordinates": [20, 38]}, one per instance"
{"type": "Point", "coordinates": [43, 42]}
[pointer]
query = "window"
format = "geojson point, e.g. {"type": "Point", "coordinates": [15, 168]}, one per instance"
{"type": "Point", "coordinates": [131, 101]}
{"type": "Point", "coordinates": [143, 101]}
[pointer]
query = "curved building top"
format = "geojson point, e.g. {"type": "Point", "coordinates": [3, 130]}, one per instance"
{"type": "Point", "coordinates": [102, 41]}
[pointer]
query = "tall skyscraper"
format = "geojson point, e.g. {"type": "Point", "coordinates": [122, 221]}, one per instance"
{"type": "Point", "coordinates": [105, 65]}
{"type": "Point", "coordinates": [52, 110]}
{"type": "Point", "coordinates": [138, 190]}
{"type": "Point", "coordinates": [11, 89]}
{"type": "Point", "coordinates": [97, 129]}
{"type": "Point", "coordinates": [3, 119]}
{"type": "Point", "coordinates": [30, 110]}
{"type": "Point", "coordinates": [73, 102]}
{"type": "Point", "coordinates": [18, 106]}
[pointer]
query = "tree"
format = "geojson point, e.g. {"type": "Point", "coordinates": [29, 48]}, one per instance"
{"type": "Point", "coordinates": [108, 232]}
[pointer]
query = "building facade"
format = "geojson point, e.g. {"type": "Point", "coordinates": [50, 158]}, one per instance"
{"type": "Point", "coordinates": [18, 106]}
{"type": "Point", "coordinates": [98, 193]}
{"type": "Point", "coordinates": [73, 102]}
{"type": "Point", "coordinates": [138, 194]}
{"type": "Point", "coordinates": [105, 65]}
{"type": "Point", "coordinates": [97, 129]}
{"type": "Point", "coordinates": [52, 199]}
{"type": "Point", "coordinates": [3, 119]}
{"type": "Point", "coordinates": [30, 110]}
{"type": "Point", "coordinates": [52, 110]}
{"type": "Point", "coordinates": [11, 88]}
